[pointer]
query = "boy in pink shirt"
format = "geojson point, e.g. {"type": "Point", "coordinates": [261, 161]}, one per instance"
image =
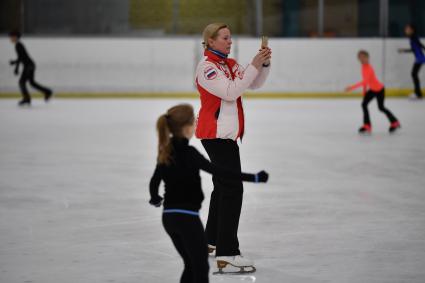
{"type": "Point", "coordinates": [372, 88]}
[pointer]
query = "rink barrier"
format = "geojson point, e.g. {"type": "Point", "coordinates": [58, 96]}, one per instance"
{"type": "Point", "coordinates": [146, 65]}
{"type": "Point", "coordinates": [254, 95]}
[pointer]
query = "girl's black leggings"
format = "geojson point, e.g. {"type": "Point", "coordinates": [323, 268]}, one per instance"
{"type": "Point", "coordinates": [380, 97]}
{"type": "Point", "coordinates": [187, 233]}
{"type": "Point", "coordinates": [28, 76]}
{"type": "Point", "coordinates": [415, 77]}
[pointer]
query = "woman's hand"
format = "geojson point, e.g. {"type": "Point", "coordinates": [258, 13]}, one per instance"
{"type": "Point", "coordinates": [347, 89]}
{"type": "Point", "coordinates": [262, 57]}
{"type": "Point", "coordinates": [267, 63]}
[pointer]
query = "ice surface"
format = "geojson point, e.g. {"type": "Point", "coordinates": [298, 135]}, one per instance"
{"type": "Point", "coordinates": [339, 207]}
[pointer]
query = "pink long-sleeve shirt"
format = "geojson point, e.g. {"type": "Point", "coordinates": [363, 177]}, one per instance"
{"type": "Point", "coordinates": [370, 81]}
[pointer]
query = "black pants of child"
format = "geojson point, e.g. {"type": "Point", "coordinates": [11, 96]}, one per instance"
{"type": "Point", "coordinates": [415, 77]}
{"type": "Point", "coordinates": [226, 198]}
{"type": "Point", "coordinates": [28, 76]}
{"type": "Point", "coordinates": [187, 233]}
{"type": "Point", "coordinates": [380, 97]}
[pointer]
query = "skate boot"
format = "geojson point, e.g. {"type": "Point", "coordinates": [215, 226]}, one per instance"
{"type": "Point", "coordinates": [211, 250]}
{"type": "Point", "coordinates": [234, 265]}
{"type": "Point", "coordinates": [24, 102]}
{"type": "Point", "coordinates": [48, 95]}
{"type": "Point", "coordinates": [414, 96]}
{"type": "Point", "coordinates": [366, 129]}
{"type": "Point", "coordinates": [394, 127]}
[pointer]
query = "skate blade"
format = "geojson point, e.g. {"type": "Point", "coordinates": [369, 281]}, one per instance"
{"type": "Point", "coordinates": [242, 271]}
{"type": "Point", "coordinates": [24, 105]}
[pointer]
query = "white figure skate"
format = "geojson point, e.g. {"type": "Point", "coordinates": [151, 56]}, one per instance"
{"type": "Point", "coordinates": [234, 265]}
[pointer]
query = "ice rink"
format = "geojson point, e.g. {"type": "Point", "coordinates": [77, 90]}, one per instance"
{"type": "Point", "coordinates": [339, 207]}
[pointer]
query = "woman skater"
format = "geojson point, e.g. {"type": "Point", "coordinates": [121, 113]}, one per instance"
{"type": "Point", "coordinates": [416, 48]}
{"type": "Point", "coordinates": [28, 73]}
{"type": "Point", "coordinates": [221, 82]}
{"type": "Point", "coordinates": [372, 88]}
{"type": "Point", "coordinates": [178, 166]}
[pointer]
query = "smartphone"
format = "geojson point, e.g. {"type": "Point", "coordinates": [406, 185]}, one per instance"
{"type": "Point", "coordinates": [265, 44]}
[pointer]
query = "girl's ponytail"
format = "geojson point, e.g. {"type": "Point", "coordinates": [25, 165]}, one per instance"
{"type": "Point", "coordinates": [172, 123]}
{"type": "Point", "coordinates": [164, 144]}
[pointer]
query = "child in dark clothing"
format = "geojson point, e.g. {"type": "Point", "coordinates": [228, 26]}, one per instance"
{"type": "Point", "coordinates": [28, 72]}
{"type": "Point", "coordinates": [416, 47]}
{"type": "Point", "coordinates": [178, 165]}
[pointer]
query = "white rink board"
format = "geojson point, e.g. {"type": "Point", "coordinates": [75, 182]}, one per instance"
{"type": "Point", "coordinates": [338, 208]}
{"type": "Point", "coordinates": [168, 64]}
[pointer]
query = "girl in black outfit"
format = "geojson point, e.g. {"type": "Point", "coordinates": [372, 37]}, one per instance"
{"type": "Point", "coordinates": [28, 72]}
{"type": "Point", "coordinates": [178, 165]}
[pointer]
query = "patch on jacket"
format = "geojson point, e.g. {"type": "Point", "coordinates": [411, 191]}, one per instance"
{"type": "Point", "coordinates": [210, 73]}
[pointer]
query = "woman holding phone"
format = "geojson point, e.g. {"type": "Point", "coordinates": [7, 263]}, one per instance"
{"type": "Point", "coordinates": [221, 82]}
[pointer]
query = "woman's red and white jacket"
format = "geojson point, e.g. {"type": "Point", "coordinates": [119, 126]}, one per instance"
{"type": "Point", "coordinates": [221, 82]}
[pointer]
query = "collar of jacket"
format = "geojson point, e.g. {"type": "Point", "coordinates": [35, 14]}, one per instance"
{"type": "Point", "coordinates": [216, 56]}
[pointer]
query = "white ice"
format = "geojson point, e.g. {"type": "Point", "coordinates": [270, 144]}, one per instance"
{"type": "Point", "coordinates": [339, 207]}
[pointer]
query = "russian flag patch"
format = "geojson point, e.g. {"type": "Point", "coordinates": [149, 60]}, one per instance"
{"type": "Point", "coordinates": [210, 73]}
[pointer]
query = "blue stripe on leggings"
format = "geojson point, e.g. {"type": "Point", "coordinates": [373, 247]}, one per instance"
{"type": "Point", "coordinates": [183, 211]}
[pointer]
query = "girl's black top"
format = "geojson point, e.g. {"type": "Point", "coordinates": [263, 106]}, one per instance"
{"type": "Point", "coordinates": [23, 56]}
{"type": "Point", "coordinates": [182, 179]}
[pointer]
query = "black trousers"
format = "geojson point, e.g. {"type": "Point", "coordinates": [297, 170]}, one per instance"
{"type": "Point", "coordinates": [226, 198]}
{"type": "Point", "coordinates": [187, 233]}
{"type": "Point", "coordinates": [380, 97]}
{"type": "Point", "coordinates": [415, 76]}
{"type": "Point", "coordinates": [28, 76]}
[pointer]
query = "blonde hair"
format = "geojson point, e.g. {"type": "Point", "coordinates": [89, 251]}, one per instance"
{"type": "Point", "coordinates": [211, 31]}
{"type": "Point", "coordinates": [172, 123]}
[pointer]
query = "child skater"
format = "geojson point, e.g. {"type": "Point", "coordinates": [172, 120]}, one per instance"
{"type": "Point", "coordinates": [28, 71]}
{"type": "Point", "coordinates": [178, 165]}
{"type": "Point", "coordinates": [416, 47]}
{"type": "Point", "coordinates": [372, 88]}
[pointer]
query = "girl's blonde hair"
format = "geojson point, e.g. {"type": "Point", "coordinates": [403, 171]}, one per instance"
{"type": "Point", "coordinates": [211, 31]}
{"type": "Point", "coordinates": [172, 123]}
